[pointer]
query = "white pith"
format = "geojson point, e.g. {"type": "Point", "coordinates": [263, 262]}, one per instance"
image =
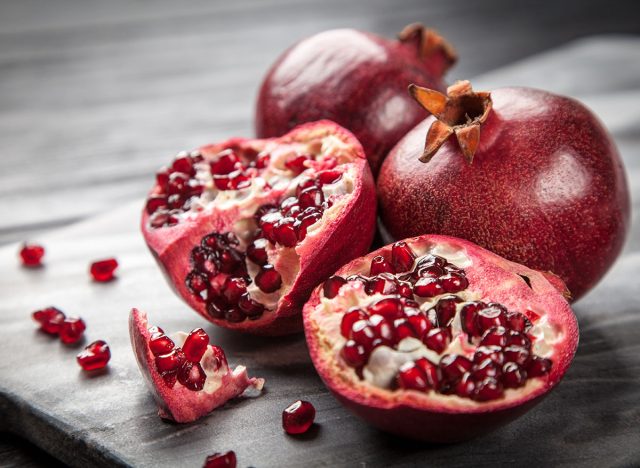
{"type": "Point", "coordinates": [384, 362]}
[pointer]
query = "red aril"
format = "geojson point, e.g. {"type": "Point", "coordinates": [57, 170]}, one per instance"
{"type": "Point", "coordinates": [445, 367]}
{"type": "Point", "coordinates": [71, 330]}
{"type": "Point", "coordinates": [221, 460]}
{"type": "Point", "coordinates": [298, 417]}
{"type": "Point", "coordinates": [103, 270]}
{"type": "Point", "coordinates": [50, 319]}
{"type": "Point", "coordinates": [95, 356]}
{"type": "Point", "coordinates": [31, 255]}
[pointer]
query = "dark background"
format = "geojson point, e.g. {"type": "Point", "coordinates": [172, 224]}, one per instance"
{"type": "Point", "coordinates": [95, 95]}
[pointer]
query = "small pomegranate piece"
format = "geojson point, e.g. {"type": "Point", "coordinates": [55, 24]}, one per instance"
{"type": "Point", "coordinates": [50, 319]}
{"type": "Point", "coordinates": [103, 270]}
{"type": "Point", "coordinates": [31, 255]}
{"type": "Point", "coordinates": [71, 330]}
{"type": "Point", "coordinates": [439, 365]}
{"type": "Point", "coordinates": [221, 460]}
{"type": "Point", "coordinates": [298, 417]}
{"type": "Point", "coordinates": [95, 356]}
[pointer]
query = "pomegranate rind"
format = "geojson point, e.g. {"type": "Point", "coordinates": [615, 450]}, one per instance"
{"type": "Point", "coordinates": [443, 418]}
{"type": "Point", "coordinates": [342, 237]}
{"type": "Point", "coordinates": [180, 404]}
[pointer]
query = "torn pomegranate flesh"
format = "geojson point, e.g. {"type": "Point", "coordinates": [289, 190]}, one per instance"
{"type": "Point", "coordinates": [298, 417]}
{"type": "Point", "coordinates": [31, 255]}
{"type": "Point", "coordinates": [103, 270]}
{"type": "Point", "coordinates": [95, 356]}
{"type": "Point", "coordinates": [180, 364]}
{"type": "Point", "coordinates": [422, 301]}
{"type": "Point", "coordinates": [221, 460]}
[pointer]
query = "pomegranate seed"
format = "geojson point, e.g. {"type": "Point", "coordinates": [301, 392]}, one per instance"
{"type": "Point", "coordinates": [513, 376]}
{"type": "Point", "coordinates": [226, 162]}
{"type": "Point", "coordinates": [489, 352]}
{"type": "Point", "coordinates": [195, 345]}
{"type": "Point", "coordinates": [354, 354]}
{"type": "Point", "coordinates": [491, 316]}
{"type": "Point", "coordinates": [50, 319]}
{"type": "Point", "coordinates": [311, 197]}
{"type": "Point", "coordinates": [403, 329]}
{"type": "Point", "coordinates": [379, 265]}
{"type": "Point", "coordinates": [538, 367]}
{"type": "Point", "coordinates": [155, 203]}
{"type": "Point", "coordinates": [298, 417]}
{"type": "Point", "coordinates": [430, 370]}
{"type": "Point", "coordinates": [348, 319]}
{"type": "Point", "coordinates": [170, 362]}
{"type": "Point", "coordinates": [170, 378]}
{"type": "Point", "coordinates": [290, 206]}
{"type": "Point", "coordinates": [234, 315]}
{"type": "Point", "coordinates": [296, 163]}
{"type": "Point", "coordinates": [428, 287]}
{"type": "Point", "coordinates": [31, 255]}
{"type": "Point", "coordinates": [71, 330]}
{"type": "Point", "coordinates": [177, 183]}
{"type": "Point", "coordinates": [268, 279]}
{"type": "Point", "coordinates": [453, 366]}
{"type": "Point", "coordinates": [390, 308]}
{"type": "Point", "coordinates": [469, 319]}
{"type": "Point", "coordinates": [198, 284]}
{"type": "Point", "coordinates": [411, 377]}
{"type": "Point", "coordinates": [329, 177]}
{"type": "Point", "coordinates": [466, 387]}
{"type": "Point", "coordinates": [234, 288]}
{"type": "Point", "coordinates": [332, 286]}
{"type": "Point", "coordinates": [239, 180]}
{"type": "Point", "coordinates": [382, 329]}
{"type": "Point", "coordinates": [304, 184]}
{"type": "Point", "coordinates": [384, 283]}
{"type": "Point", "coordinates": [420, 324]}
{"type": "Point", "coordinates": [257, 251]}
{"type": "Point", "coordinates": [215, 308]}
{"type": "Point", "coordinates": [438, 339]}
{"type": "Point", "coordinates": [486, 368]}
{"type": "Point", "coordinates": [251, 308]}
{"type": "Point", "coordinates": [155, 329]}
{"type": "Point", "coordinates": [488, 389]}
{"type": "Point", "coordinates": [263, 160]}
{"type": "Point", "coordinates": [518, 322]}
{"type": "Point", "coordinates": [446, 310]}
{"type": "Point", "coordinates": [431, 271]}
{"type": "Point", "coordinates": [363, 334]}
{"type": "Point", "coordinates": [515, 338]}
{"type": "Point", "coordinates": [160, 344]}
{"type": "Point", "coordinates": [284, 232]}
{"type": "Point", "coordinates": [162, 178]}
{"type": "Point", "coordinates": [496, 336]}
{"type": "Point", "coordinates": [162, 218]}
{"type": "Point", "coordinates": [516, 354]}
{"type": "Point", "coordinates": [183, 163]}
{"type": "Point", "coordinates": [103, 270]}
{"type": "Point", "coordinates": [192, 376]}
{"type": "Point", "coordinates": [95, 356]}
{"type": "Point", "coordinates": [402, 257]}
{"type": "Point", "coordinates": [221, 460]}
{"type": "Point", "coordinates": [454, 282]}
{"type": "Point", "coordinates": [308, 220]}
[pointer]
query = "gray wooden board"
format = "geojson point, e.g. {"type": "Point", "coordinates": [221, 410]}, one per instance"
{"type": "Point", "coordinates": [592, 419]}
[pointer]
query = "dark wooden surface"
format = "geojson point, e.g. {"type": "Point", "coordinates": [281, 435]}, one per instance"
{"type": "Point", "coordinates": [95, 95]}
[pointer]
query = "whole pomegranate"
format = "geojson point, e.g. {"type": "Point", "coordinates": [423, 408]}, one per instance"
{"type": "Point", "coordinates": [245, 229]}
{"type": "Point", "coordinates": [435, 338]}
{"type": "Point", "coordinates": [187, 376]}
{"type": "Point", "coordinates": [356, 79]}
{"type": "Point", "coordinates": [530, 175]}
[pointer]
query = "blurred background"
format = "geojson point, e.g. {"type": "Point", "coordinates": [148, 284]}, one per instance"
{"type": "Point", "coordinates": [95, 95]}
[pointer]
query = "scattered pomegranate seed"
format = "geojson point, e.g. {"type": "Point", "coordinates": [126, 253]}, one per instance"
{"type": "Point", "coordinates": [50, 319]}
{"type": "Point", "coordinates": [94, 356]}
{"type": "Point", "coordinates": [71, 330]}
{"type": "Point", "coordinates": [298, 417]}
{"type": "Point", "coordinates": [31, 255]}
{"type": "Point", "coordinates": [103, 270]}
{"type": "Point", "coordinates": [221, 460]}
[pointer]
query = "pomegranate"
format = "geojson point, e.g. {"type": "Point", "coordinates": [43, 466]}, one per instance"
{"type": "Point", "coordinates": [103, 271]}
{"type": "Point", "coordinates": [298, 417]}
{"type": "Point", "coordinates": [95, 356]}
{"type": "Point", "coordinates": [221, 460]}
{"type": "Point", "coordinates": [31, 255]}
{"type": "Point", "coordinates": [245, 229]}
{"type": "Point", "coordinates": [530, 175]}
{"type": "Point", "coordinates": [356, 79]}
{"type": "Point", "coordinates": [448, 342]}
{"type": "Point", "coordinates": [187, 376]}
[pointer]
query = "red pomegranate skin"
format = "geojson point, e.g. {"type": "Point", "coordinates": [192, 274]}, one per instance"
{"type": "Point", "coordinates": [356, 79]}
{"type": "Point", "coordinates": [416, 416]}
{"type": "Point", "coordinates": [546, 188]}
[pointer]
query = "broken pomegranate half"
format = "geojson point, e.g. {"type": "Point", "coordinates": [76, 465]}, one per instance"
{"type": "Point", "coordinates": [435, 338]}
{"type": "Point", "coordinates": [245, 229]}
{"type": "Point", "coordinates": [187, 376]}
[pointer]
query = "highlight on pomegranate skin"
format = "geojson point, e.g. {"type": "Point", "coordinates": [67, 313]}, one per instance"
{"type": "Point", "coordinates": [298, 417]}
{"type": "Point", "coordinates": [94, 356]}
{"type": "Point", "coordinates": [221, 460]}
{"type": "Point", "coordinates": [435, 338]}
{"type": "Point", "coordinates": [358, 80]}
{"type": "Point", "coordinates": [103, 271]}
{"type": "Point", "coordinates": [515, 170]}
{"type": "Point", "coordinates": [31, 255]}
{"type": "Point", "coordinates": [245, 229]}
{"type": "Point", "coordinates": [188, 376]}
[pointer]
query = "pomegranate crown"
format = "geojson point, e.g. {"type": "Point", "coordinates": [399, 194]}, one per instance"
{"type": "Point", "coordinates": [461, 112]}
{"type": "Point", "coordinates": [430, 44]}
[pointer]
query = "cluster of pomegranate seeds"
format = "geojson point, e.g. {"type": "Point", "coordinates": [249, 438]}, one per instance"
{"type": "Point", "coordinates": [182, 364]}
{"type": "Point", "coordinates": [31, 255]}
{"type": "Point", "coordinates": [298, 417]}
{"type": "Point", "coordinates": [287, 223]}
{"type": "Point", "coordinates": [54, 322]}
{"type": "Point", "coordinates": [95, 356]}
{"type": "Point", "coordinates": [503, 357]}
{"type": "Point", "coordinates": [103, 271]}
{"type": "Point", "coordinates": [221, 460]}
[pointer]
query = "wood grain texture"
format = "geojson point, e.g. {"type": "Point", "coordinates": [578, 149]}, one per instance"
{"type": "Point", "coordinates": [95, 95]}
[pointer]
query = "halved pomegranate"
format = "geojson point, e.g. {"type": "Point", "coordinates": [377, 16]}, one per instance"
{"type": "Point", "coordinates": [187, 376]}
{"type": "Point", "coordinates": [442, 342]}
{"type": "Point", "coordinates": [245, 229]}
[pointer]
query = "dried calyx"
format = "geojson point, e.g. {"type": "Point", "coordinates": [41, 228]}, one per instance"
{"type": "Point", "coordinates": [460, 112]}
